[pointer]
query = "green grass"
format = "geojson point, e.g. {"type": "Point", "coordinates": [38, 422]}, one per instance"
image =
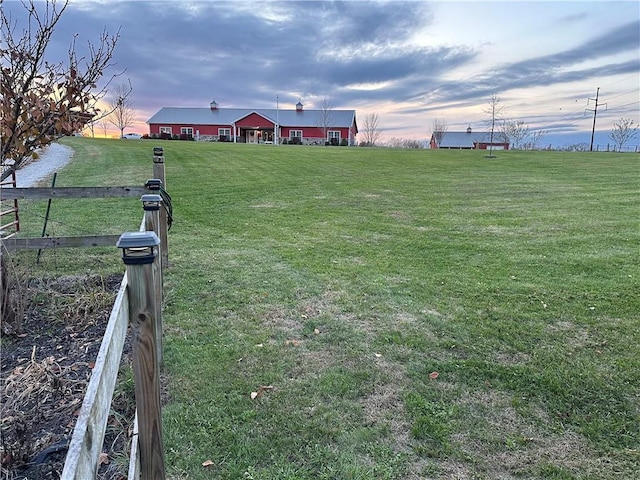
{"type": "Point", "coordinates": [344, 277]}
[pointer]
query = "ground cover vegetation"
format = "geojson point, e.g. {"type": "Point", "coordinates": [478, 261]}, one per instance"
{"type": "Point", "coordinates": [389, 314]}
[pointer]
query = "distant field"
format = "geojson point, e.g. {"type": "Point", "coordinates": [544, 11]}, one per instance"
{"type": "Point", "coordinates": [414, 314]}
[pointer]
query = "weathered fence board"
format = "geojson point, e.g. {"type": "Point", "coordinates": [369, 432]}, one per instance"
{"type": "Point", "coordinates": [60, 242]}
{"type": "Point", "coordinates": [44, 193]}
{"type": "Point", "coordinates": [86, 443]}
{"type": "Point", "coordinates": [134, 456]}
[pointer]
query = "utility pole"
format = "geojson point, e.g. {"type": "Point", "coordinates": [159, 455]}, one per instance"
{"type": "Point", "coordinates": [595, 112]}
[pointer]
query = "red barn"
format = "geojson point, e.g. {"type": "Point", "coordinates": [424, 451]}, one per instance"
{"type": "Point", "coordinates": [264, 125]}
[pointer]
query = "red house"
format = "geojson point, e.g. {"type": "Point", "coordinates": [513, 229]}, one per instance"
{"type": "Point", "coordinates": [265, 125]}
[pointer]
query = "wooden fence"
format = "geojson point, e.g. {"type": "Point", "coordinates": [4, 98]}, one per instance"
{"type": "Point", "coordinates": [138, 304]}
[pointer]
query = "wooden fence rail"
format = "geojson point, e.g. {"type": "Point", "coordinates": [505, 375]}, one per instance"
{"type": "Point", "coordinates": [44, 193]}
{"type": "Point", "coordinates": [86, 442]}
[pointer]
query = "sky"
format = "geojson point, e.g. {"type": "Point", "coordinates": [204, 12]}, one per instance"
{"type": "Point", "coordinates": [411, 63]}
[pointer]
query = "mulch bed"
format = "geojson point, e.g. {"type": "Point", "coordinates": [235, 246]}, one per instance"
{"type": "Point", "coordinates": [45, 369]}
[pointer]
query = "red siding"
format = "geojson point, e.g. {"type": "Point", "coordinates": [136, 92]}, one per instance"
{"type": "Point", "coordinates": [175, 128]}
{"type": "Point", "coordinates": [254, 121]}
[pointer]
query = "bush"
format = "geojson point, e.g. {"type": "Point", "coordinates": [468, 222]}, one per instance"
{"type": "Point", "coordinates": [344, 142]}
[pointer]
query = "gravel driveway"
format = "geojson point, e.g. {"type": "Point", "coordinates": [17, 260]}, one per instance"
{"type": "Point", "coordinates": [52, 158]}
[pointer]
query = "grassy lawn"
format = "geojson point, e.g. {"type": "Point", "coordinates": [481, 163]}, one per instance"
{"type": "Point", "coordinates": [414, 314]}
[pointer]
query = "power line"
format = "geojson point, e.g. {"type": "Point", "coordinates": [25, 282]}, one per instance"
{"type": "Point", "coordinates": [623, 94]}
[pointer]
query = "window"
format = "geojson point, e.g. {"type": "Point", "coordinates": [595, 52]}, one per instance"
{"type": "Point", "coordinates": [334, 134]}
{"type": "Point", "coordinates": [186, 131]}
{"type": "Point", "coordinates": [224, 132]}
{"type": "Point", "coordinates": [165, 130]}
{"type": "Point", "coordinates": [295, 133]}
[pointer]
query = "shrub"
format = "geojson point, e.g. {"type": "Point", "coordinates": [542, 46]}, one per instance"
{"type": "Point", "coordinates": [344, 142]}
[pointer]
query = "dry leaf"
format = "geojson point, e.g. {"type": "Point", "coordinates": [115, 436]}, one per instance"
{"type": "Point", "coordinates": [260, 345]}
{"type": "Point", "coordinates": [208, 463]}
{"type": "Point", "coordinates": [260, 391]}
{"type": "Point", "coordinates": [434, 375]}
{"type": "Point", "coordinates": [377, 355]}
{"type": "Point", "coordinates": [295, 343]}
{"type": "Point", "coordinates": [316, 331]}
{"type": "Point", "coordinates": [103, 459]}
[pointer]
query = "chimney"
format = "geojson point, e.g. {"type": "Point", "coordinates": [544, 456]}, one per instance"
{"type": "Point", "coordinates": [469, 129]}
{"type": "Point", "coordinates": [299, 106]}
{"type": "Point", "coordinates": [213, 105]}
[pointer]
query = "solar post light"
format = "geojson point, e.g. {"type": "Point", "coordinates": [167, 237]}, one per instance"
{"type": "Point", "coordinates": [158, 152]}
{"type": "Point", "coordinates": [151, 202]}
{"type": "Point", "coordinates": [138, 247]}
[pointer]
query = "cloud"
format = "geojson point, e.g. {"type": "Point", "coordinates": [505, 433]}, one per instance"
{"type": "Point", "coordinates": [358, 53]}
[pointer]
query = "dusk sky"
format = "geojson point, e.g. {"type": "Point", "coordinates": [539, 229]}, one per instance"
{"type": "Point", "coordinates": [409, 62]}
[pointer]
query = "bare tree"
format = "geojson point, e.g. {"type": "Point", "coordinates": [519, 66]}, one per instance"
{"type": "Point", "coordinates": [122, 113]}
{"type": "Point", "coordinates": [370, 130]}
{"type": "Point", "coordinates": [408, 143]}
{"type": "Point", "coordinates": [439, 129]}
{"type": "Point", "coordinates": [623, 131]}
{"type": "Point", "coordinates": [536, 138]}
{"type": "Point", "coordinates": [515, 132]}
{"type": "Point", "coordinates": [103, 125]}
{"type": "Point", "coordinates": [41, 100]}
{"type": "Point", "coordinates": [495, 112]}
{"type": "Point", "coordinates": [325, 119]}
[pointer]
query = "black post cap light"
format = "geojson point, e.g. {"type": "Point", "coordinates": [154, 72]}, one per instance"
{"type": "Point", "coordinates": [138, 247]}
{"type": "Point", "coordinates": [153, 184]}
{"type": "Point", "coordinates": [151, 201]}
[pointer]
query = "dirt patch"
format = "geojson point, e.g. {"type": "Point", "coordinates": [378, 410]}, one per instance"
{"type": "Point", "coordinates": [528, 446]}
{"type": "Point", "coordinates": [45, 370]}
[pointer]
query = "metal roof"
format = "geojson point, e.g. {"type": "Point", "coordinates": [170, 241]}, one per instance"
{"type": "Point", "coordinates": [228, 116]}
{"type": "Point", "coordinates": [467, 139]}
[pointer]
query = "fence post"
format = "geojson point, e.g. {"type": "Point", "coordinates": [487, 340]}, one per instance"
{"type": "Point", "coordinates": [158, 173]}
{"type": "Point", "coordinates": [138, 252]}
{"type": "Point", "coordinates": [151, 207]}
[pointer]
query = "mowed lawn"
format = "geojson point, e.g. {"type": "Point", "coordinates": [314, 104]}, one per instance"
{"type": "Point", "coordinates": [398, 314]}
